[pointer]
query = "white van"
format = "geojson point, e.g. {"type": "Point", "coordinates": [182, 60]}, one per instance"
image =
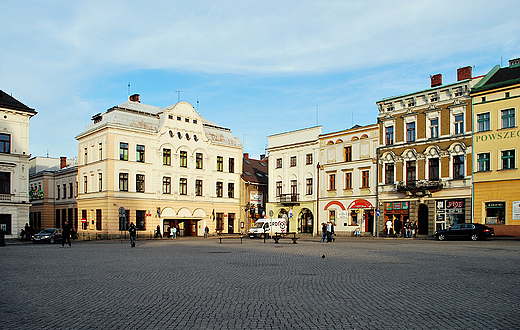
{"type": "Point", "coordinates": [268, 226]}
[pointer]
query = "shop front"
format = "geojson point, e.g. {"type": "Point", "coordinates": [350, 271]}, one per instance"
{"type": "Point", "coordinates": [397, 213]}
{"type": "Point", "coordinates": [449, 212]}
{"type": "Point", "coordinates": [362, 215]}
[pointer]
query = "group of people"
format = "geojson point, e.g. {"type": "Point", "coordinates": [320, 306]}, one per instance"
{"type": "Point", "coordinates": [327, 232]}
{"type": "Point", "coordinates": [409, 229]}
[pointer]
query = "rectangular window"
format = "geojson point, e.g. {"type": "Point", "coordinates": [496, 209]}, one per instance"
{"type": "Point", "coordinates": [332, 181]}
{"type": "Point", "coordinates": [5, 143]}
{"type": "Point", "coordinates": [389, 174]}
{"type": "Point", "coordinates": [231, 165]}
{"type": "Point", "coordinates": [123, 151]}
{"type": "Point", "coordinates": [365, 179]}
{"type": "Point", "coordinates": [71, 190]}
{"type": "Point", "coordinates": [183, 186]}
{"type": "Point", "coordinates": [85, 184]}
{"type": "Point", "coordinates": [308, 159]}
{"type": "Point", "coordinates": [198, 161]}
{"type": "Point", "coordinates": [139, 183]}
{"type": "Point", "coordinates": [6, 224]}
{"type": "Point", "coordinates": [278, 188]}
{"type": "Point", "coordinates": [389, 135]}
{"type": "Point", "coordinates": [64, 190]}
{"type": "Point", "coordinates": [139, 157]}
{"type": "Point", "coordinates": [5, 183]}
{"type": "Point", "coordinates": [231, 190]}
{"type": "Point", "coordinates": [140, 219]}
{"type": "Point", "coordinates": [100, 181]}
{"type": "Point", "coordinates": [348, 180]}
{"type": "Point", "coordinates": [167, 185]}
{"type": "Point", "coordinates": [198, 187]}
{"type": "Point", "coordinates": [220, 164]}
{"type": "Point", "coordinates": [99, 224]}
{"type": "Point", "coordinates": [58, 193]}
{"type": "Point", "coordinates": [85, 159]}
{"type": "Point", "coordinates": [100, 151]}
{"type": "Point", "coordinates": [433, 169]}
{"type": "Point", "coordinates": [278, 163]}
{"type": "Point", "coordinates": [219, 189]}
{"type": "Point", "coordinates": [348, 153]}
{"type": "Point", "coordinates": [508, 118]}
{"type": "Point", "coordinates": [309, 186]}
{"type": "Point", "coordinates": [484, 162]}
{"type": "Point", "coordinates": [410, 171]}
{"type": "Point", "coordinates": [508, 159]}
{"type": "Point", "coordinates": [434, 128]}
{"type": "Point", "coordinates": [220, 222]}
{"type": "Point", "coordinates": [459, 124]}
{"type": "Point", "coordinates": [123, 181]}
{"type": "Point", "coordinates": [410, 132]}
{"type": "Point", "coordinates": [483, 122]}
{"type": "Point", "coordinates": [167, 157]}
{"type": "Point", "coordinates": [293, 161]}
{"type": "Point", "coordinates": [294, 188]}
{"type": "Point", "coordinates": [183, 159]}
{"type": "Point", "coordinates": [458, 167]}
{"type": "Point", "coordinates": [496, 213]}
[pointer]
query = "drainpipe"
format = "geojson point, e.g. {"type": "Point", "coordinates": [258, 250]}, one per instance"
{"type": "Point", "coordinates": [376, 218]}
{"type": "Point", "coordinates": [472, 166]}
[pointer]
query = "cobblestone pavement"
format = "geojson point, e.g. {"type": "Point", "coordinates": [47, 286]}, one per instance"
{"type": "Point", "coordinates": [195, 283]}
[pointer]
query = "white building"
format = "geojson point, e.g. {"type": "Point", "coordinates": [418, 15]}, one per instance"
{"type": "Point", "coordinates": [164, 166]}
{"type": "Point", "coordinates": [14, 169]}
{"type": "Point", "coordinates": [348, 185]}
{"type": "Point", "coordinates": [292, 178]}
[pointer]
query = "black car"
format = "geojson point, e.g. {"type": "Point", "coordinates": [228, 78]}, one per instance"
{"type": "Point", "coordinates": [474, 231]}
{"type": "Point", "coordinates": [50, 235]}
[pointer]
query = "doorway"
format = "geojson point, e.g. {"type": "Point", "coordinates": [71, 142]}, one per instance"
{"type": "Point", "coordinates": [305, 221]}
{"type": "Point", "coordinates": [422, 219]}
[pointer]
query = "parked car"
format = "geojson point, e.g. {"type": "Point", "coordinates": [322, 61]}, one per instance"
{"type": "Point", "coordinates": [50, 235]}
{"type": "Point", "coordinates": [474, 231]}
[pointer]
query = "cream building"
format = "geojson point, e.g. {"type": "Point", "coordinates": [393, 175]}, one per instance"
{"type": "Point", "coordinates": [347, 179]}
{"type": "Point", "coordinates": [162, 166]}
{"type": "Point", "coordinates": [14, 168]}
{"type": "Point", "coordinates": [292, 178]}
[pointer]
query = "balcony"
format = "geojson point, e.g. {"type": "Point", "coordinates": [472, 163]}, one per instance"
{"type": "Point", "coordinates": [419, 185]}
{"type": "Point", "coordinates": [288, 199]}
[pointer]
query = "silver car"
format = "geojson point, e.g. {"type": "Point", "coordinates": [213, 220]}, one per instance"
{"type": "Point", "coordinates": [50, 235]}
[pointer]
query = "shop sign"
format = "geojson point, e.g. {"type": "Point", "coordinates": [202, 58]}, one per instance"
{"type": "Point", "coordinates": [397, 205]}
{"type": "Point", "coordinates": [360, 204]}
{"type": "Point", "coordinates": [255, 199]}
{"type": "Point", "coordinates": [516, 210]}
{"type": "Point", "coordinates": [388, 206]}
{"type": "Point", "coordinates": [455, 204]}
{"type": "Point", "coordinates": [440, 205]}
{"type": "Point", "coordinates": [406, 205]}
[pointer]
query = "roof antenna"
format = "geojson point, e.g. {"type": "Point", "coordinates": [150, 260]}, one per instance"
{"type": "Point", "coordinates": [178, 95]}
{"type": "Point", "coordinates": [128, 88]}
{"type": "Point", "coordinates": [198, 107]}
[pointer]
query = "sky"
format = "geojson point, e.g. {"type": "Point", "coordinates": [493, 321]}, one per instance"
{"type": "Point", "coordinates": [257, 67]}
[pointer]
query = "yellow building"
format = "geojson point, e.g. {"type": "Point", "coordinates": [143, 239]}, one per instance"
{"type": "Point", "coordinates": [496, 142]}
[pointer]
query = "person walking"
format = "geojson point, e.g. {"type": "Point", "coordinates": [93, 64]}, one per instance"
{"type": "Point", "coordinates": [329, 232]}
{"type": "Point", "coordinates": [415, 229]}
{"type": "Point", "coordinates": [206, 232]}
{"type": "Point", "coordinates": [174, 232]}
{"type": "Point", "coordinates": [332, 232]}
{"type": "Point", "coordinates": [388, 224]}
{"type": "Point", "coordinates": [323, 232]}
{"type": "Point", "coordinates": [65, 234]}
{"type": "Point", "coordinates": [133, 231]}
{"type": "Point", "coordinates": [408, 229]}
{"type": "Point", "coordinates": [158, 232]}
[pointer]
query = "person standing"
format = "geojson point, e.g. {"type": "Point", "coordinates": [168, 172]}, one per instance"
{"type": "Point", "coordinates": [415, 229]}
{"type": "Point", "coordinates": [206, 232]}
{"type": "Point", "coordinates": [323, 232]}
{"type": "Point", "coordinates": [174, 232]}
{"type": "Point", "coordinates": [158, 233]}
{"type": "Point", "coordinates": [329, 232]}
{"type": "Point", "coordinates": [133, 231]}
{"type": "Point", "coordinates": [65, 234]}
{"type": "Point", "coordinates": [388, 224]}
{"type": "Point", "coordinates": [408, 229]}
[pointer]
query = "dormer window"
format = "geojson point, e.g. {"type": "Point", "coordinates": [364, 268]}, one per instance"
{"type": "Point", "coordinates": [97, 118]}
{"type": "Point", "coordinates": [410, 102]}
{"type": "Point", "coordinates": [434, 97]}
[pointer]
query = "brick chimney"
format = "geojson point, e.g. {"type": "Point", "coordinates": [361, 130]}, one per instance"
{"type": "Point", "coordinates": [514, 61]}
{"type": "Point", "coordinates": [464, 73]}
{"type": "Point", "coordinates": [436, 80]}
{"type": "Point", "coordinates": [246, 155]}
{"type": "Point", "coordinates": [134, 98]}
{"type": "Point", "coordinates": [63, 162]}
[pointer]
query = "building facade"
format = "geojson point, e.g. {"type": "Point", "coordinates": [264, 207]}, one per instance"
{"type": "Point", "coordinates": [293, 178]}
{"type": "Point", "coordinates": [253, 191]}
{"type": "Point", "coordinates": [14, 165]}
{"type": "Point", "coordinates": [53, 190]}
{"type": "Point", "coordinates": [162, 167]}
{"type": "Point", "coordinates": [425, 156]}
{"type": "Point", "coordinates": [347, 184]}
{"type": "Point", "coordinates": [496, 143]}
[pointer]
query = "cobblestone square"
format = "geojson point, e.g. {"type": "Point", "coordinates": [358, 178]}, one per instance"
{"type": "Point", "coordinates": [195, 283]}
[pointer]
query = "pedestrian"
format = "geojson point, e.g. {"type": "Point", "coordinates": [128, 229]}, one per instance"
{"type": "Point", "coordinates": [133, 231]}
{"type": "Point", "coordinates": [174, 232]}
{"type": "Point", "coordinates": [206, 232]}
{"type": "Point", "coordinates": [323, 232]}
{"type": "Point", "coordinates": [388, 224]}
{"type": "Point", "coordinates": [28, 231]}
{"type": "Point", "coordinates": [65, 234]}
{"type": "Point", "coordinates": [158, 232]}
{"type": "Point", "coordinates": [332, 232]}
{"type": "Point", "coordinates": [329, 232]}
{"type": "Point", "coordinates": [408, 229]}
{"type": "Point", "coordinates": [415, 229]}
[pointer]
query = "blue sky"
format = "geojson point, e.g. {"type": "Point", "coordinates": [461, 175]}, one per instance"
{"type": "Point", "coordinates": [258, 68]}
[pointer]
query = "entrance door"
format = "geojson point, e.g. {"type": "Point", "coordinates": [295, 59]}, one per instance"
{"type": "Point", "coordinates": [369, 222]}
{"type": "Point", "coordinates": [422, 219]}
{"type": "Point", "coordinates": [231, 223]}
{"type": "Point", "coordinates": [305, 221]}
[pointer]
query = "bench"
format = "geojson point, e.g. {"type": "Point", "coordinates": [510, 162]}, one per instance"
{"type": "Point", "coordinates": [278, 236]}
{"type": "Point", "coordinates": [220, 237]}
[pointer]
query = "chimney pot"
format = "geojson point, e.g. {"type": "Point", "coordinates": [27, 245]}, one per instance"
{"type": "Point", "coordinates": [134, 98]}
{"type": "Point", "coordinates": [246, 155]}
{"type": "Point", "coordinates": [464, 73]}
{"type": "Point", "coordinates": [63, 162]}
{"type": "Point", "coordinates": [514, 61]}
{"type": "Point", "coordinates": [436, 80]}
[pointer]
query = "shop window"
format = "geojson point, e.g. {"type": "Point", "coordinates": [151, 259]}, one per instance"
{"type": "Point", "coordinates": [495, 213]}
{"type": "Point", "coordinates": [140, 219]}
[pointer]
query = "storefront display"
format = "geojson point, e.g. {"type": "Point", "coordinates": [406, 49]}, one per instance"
{"type": "Point", "coordinates": [449, 212]}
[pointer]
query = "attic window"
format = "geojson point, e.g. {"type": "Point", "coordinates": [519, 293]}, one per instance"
{"type": "Point", "coordinates": [247, 162]}
{"type": "Point", "coordinates": [194, 121]}
{"type": "Point", "coordinates": [261, 163]}
{"type": "Point", "coordinates": [247, 173]}
{"type": "Point", "coordinates": [178, 118]}
{"type": "Point", "coordinates": [97, 118]}
{"type": "Point", "coordinates": [187, 120]}
{"type": "Point", "coordinates": [170, 116]}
